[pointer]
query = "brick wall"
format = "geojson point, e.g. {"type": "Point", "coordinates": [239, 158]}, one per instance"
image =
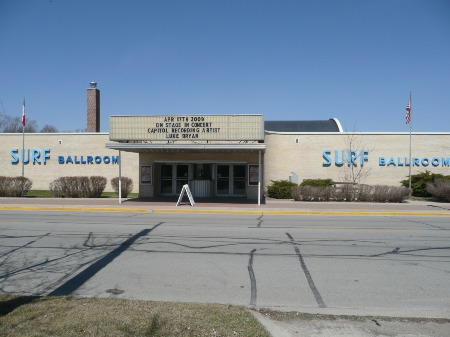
{"type": "Point", "coordinates": [93, 110]}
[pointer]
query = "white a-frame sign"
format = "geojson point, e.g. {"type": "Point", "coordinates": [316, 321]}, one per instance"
{"type": "Point", "coordinates": [186, 190]}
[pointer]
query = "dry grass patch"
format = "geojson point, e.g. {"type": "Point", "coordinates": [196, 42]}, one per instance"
{"type": "Point", "coordinates": [69, 316]}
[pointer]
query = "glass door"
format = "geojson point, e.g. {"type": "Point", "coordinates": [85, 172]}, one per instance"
{"type": "Point", "coordinates": [173, 177]}
{"type": "Point", "coordinates": [182, 177]}
{"type": "Point", "coordinates": [231, 180]}
{"type": "Point", "coordinates": [223, 180]}
{"type": "Point", "coordinates": [239, 180]}
{"type": "Point", "coordinates": [166, 179]}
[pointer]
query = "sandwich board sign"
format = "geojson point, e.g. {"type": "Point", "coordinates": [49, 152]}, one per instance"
{"type": "Point", "coordinates": [186, 190]}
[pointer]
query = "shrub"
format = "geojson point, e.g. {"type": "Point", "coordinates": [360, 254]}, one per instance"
{"type": "Point", "coordinates": [56, 188]}
{"type": "Point", "coordinates": [382, 193]}
{"type": "Point", "coordinates": [20, 186]}
{"type": "Point", "coordinates": [398, 194]}
{"type": "Point", "coordinates": [347, 192]}
{"type": "Point", "coordinates": [14, 186]}
{"type": "Point", "coordinates": [302, 193]}
{"type": "Point", "coordinates": [4, 186]}
{"type": "Point", "coordinates": [351, 193]}
{"type": "Point", "coordinates": [317, 182]}
{"type": "Point", "coordinates": [419, 182]}
{"type": "Point", "coordinates": [97, 185]}
{"type": "Point", "coordinates": [127, 185]}
{"type": "Point", "coordinates": [280, 189]}
{"type": "Point", "coordinates": [78, 187]}
{"type": "Point", "coordinates": [440, 189]}
{"type": "Point", "coordinates": [69, 187]}
{"type": "Point", "coordinates": [367, 193]}
{"type": "Point", "coordinates": [313, 193]}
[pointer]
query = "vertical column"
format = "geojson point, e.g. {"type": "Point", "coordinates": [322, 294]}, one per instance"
{"type": "Point", "coordinates": [259, 178]}
{"type": "Point", "coordinates": [120, 177]}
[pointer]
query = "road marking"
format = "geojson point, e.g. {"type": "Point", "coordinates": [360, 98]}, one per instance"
{"type": "Point", "coordinates": [265, 212]}
{"type": "Point", "coordinates": [216, 211]}
{"type": "Point", "coordinates": [371, 228]}
{"type": "Point", "coordinates": [72, 209]}
{"type": "Point", "coordinates": [207, 211]}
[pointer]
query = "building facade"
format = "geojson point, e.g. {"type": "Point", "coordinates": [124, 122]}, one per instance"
{"type": "Point", "coordinates": [222, 155]}
{"type": "Point", "coordinates": [48, 156]}
{"type": "Point", "coordinates": [366, 157]}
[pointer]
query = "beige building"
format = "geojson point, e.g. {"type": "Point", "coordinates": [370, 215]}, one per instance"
{"type": "Point", "coordinates": [48, 156]}
{"type": "Point", "coordinates": [369, 157]}
{"type": "Point", "coordinates": [222, 155]}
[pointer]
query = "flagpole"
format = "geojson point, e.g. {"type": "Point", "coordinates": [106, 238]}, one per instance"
{"type": "Point", "coordinates": [410, 138]}
{"type": "Point", "coordinates": [23, 137]}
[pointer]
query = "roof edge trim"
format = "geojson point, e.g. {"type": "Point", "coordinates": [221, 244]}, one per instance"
{"type": "Point", "coordinates": [339, 125]}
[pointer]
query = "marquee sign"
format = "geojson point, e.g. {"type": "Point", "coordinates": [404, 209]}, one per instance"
{"type": "Point", "coordinates": [187, 127]}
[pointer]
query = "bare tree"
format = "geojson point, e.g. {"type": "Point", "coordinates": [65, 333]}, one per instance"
{"type": "Point", "coordinates": [47, 128]}
{"type": "Point", "coordinates": [75, 131]}
{"type": "Point", "coordinates": [14, 125]}
{"type": "Point", "coordinates": [354, 169]}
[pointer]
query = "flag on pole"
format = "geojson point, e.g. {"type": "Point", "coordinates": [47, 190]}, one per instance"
{"type": "Point", "coordinates": [408, 112]}
{"type": "Point", "coordinates": [23, 113]}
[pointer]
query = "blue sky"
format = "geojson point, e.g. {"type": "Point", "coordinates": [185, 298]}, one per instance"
{"type": "Point", "coordinates": [355, 60]}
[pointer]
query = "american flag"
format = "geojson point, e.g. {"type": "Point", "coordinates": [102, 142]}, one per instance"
{"type": "Point", "coordinates": [408, 112]}
{"type": "Point", "coordinates": [23, 113]}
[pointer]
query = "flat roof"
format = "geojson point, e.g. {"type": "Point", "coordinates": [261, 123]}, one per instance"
{"type": "Point", "coordinates": [331, 125]}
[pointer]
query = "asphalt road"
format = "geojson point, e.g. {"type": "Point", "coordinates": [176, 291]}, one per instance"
{"type": "Point", "coordinates": [388, 265]}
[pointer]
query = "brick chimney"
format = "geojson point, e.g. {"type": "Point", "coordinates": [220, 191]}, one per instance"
{"type": "Point", "coordinates": [93, 108]}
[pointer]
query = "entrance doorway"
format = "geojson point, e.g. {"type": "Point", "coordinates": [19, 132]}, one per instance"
{"type": "Point", "coordinates": [230, 180]}
{"type": "Point", "coordinates": [204, 179]}
{"type": "Point", "coordinates": [173, 177]}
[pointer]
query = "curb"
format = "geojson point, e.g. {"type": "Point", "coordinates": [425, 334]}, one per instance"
{"type": "Point", "coordinates": [218, 211]}
{"type": "Point", "coordinates": [282, 212]}
{"type": "Point", "coordinates": [72, 209]}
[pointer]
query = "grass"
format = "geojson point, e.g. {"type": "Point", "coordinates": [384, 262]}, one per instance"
{"type": "Point", "coordinates": [48, 194]}
{"type": "Point", "coordinates": [68, 316]}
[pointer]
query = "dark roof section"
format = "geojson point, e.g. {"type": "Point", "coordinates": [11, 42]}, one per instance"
{"type": "Point", "coordinates": [331, 125]}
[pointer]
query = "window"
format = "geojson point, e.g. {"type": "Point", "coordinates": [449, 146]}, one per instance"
{"type": "Point", "coordinates": [202, 172]}
{"type": "Point", "coordinates": [253, 175]}
{"type": "Point", "coordinates": [146, 174]}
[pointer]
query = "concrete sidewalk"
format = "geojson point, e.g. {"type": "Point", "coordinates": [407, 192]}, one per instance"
{"type": "Point", "coordinates": [299, 324]}
{"type": "Point", "coordinates": [228, 205]}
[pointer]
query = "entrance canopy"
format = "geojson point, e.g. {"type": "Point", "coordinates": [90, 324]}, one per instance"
{"type": "Point", "coordinates": [176, 147]}
{"type": "Point", "coordinates": [215, 155]}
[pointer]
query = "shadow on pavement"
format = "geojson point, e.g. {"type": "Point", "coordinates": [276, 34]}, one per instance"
{"type": "Point", "coordinates": [78, 280]}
